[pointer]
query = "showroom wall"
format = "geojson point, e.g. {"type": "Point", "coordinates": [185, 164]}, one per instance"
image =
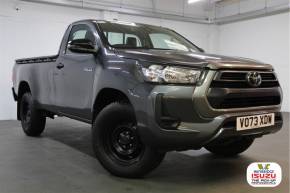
{"type": "Point", "coordinates": [36, 30]}
{"type": "Point", "coordinates": [265, 39]}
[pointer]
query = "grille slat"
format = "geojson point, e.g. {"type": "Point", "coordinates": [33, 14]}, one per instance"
{"type": "Point", "coordinates": [242, 84]}
{"type": "Point", "coordinates": [233, 76]}
{"type": "Point", "coordinates": [247, 102]}
{"type": "Point", "coordinates": [268, 76]}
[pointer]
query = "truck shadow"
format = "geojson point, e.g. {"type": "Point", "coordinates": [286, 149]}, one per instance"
{"type": "Point", "coordinates": [193, 168]}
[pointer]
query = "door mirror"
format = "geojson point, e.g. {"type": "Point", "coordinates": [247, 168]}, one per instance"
{"type": "Point", "coordinates": [82, 46]}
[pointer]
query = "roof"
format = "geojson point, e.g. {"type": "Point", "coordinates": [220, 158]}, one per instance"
{"type": "Point", "coordinates": [113, 21]}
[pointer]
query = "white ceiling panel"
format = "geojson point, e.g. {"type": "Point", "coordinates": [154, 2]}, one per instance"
{"type": "Point", "coordinates": [108, 1]}
{"type": "Point", "coordinates": [200, 12]}
{"type": "Point", "coordinates": [272, 3]}
{"type": "Point", "coordinates": [251, 5]}
{"type": "Point", "coordinates": [196, 9]}
{"type": "Point", "coordinates": [174, 6]}
{"type": "Point", "coordinates": [228, 10]}
{"type": "Point", "coordinates": [148, 4]}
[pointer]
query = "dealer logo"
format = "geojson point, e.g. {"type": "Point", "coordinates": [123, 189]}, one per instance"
{"type": "Point", "coordinates": [264, 174]}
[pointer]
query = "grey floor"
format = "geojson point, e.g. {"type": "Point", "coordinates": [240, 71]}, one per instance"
{"type": "Point", "coordinates": [62, 161]}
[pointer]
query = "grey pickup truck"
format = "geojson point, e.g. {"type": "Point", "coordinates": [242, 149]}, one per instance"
{"type": "Point", "coordinates": [147, 90]}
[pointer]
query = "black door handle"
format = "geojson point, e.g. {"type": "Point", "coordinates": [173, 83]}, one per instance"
{"type": "Point", "coordinates": [60, 65]}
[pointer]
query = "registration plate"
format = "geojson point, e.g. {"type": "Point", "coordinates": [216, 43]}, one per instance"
{"type": "Point", "coordinates": [255, 121]}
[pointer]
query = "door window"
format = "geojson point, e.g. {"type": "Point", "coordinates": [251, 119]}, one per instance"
{"type": "Point", "coordinates": [123, 39]}
{"type": "Point", "coordinates": [79, 32]}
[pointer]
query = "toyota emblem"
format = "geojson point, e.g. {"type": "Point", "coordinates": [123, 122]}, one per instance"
{"type": "Point", "coordinates": [254, 79]}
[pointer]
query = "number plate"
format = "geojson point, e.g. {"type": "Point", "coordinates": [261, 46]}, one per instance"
{"type": "Point", "coordinates": [256, 121]}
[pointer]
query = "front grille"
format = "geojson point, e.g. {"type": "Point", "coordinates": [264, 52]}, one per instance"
{"type": "Point", "coordinates": [238, 80]}
{"type": "Point", "coordinates": [242, 76]}
{"type": "Point", "coordinates": [230, 89]}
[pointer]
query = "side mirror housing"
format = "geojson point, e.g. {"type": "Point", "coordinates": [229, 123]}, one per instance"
{"type": "Point", "coordinates": [82, 46]}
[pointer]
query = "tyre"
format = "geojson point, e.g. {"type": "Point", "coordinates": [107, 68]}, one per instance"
{"type": "Point", "coordinates": [117, 144]}
{"type": "Point", "coordinates": [230, 147]}
{"type": "Point", "coordinates": [32, 120]}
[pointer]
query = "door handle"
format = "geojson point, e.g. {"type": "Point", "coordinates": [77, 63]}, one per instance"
{"type": "Point", "coordinates": [60, 65]}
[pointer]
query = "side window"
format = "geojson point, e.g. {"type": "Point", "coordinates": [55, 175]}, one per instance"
{"type": "Point", "coordinates": [79, 32]}
{"type": "Point", "coordinates": [115, 38]}
{"type": "Point", "coordinates": [130, 37]}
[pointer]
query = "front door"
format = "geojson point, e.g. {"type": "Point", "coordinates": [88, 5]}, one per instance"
{"type": "Point", "coordinates": [74, 83]}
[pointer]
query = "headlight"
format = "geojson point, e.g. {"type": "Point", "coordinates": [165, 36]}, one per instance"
{"type": "Point", "coordinates": [171, 74]}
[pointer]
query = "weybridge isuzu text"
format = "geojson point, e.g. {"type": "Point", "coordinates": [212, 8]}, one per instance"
{"type": "Point", "coordinates": [147, 90]}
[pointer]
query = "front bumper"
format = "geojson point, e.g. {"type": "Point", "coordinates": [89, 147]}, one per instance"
{"type": "Point", "coordinates": [180, 118]}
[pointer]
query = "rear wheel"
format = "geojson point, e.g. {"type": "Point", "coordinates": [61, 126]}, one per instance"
{"type": "Point", "coordinates": [32, 120]}
{"type": "Point", "coordinates": [231, 146]}
{"type": "Point", "coordinates": [117, 144]}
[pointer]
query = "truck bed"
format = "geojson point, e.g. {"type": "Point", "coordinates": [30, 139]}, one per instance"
{"type": "Point", "coordinates": [37, 59]}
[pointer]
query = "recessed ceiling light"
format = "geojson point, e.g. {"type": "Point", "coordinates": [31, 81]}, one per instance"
{"type": "Point", "coordinates": [193, 1]}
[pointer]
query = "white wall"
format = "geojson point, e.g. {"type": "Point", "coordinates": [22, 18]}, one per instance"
{"type": "Point", "coordinates": [265, 39]}
{"type": "Point", "coordinates": [36, 30]}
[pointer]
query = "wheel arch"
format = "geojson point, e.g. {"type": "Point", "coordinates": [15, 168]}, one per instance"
{"type": "Point", "coordinates": [107, 96]}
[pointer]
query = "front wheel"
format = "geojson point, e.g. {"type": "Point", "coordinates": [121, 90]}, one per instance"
{"type": "Point", "coordinates": [32, 120]}
{"type": "Point", "coordinates": [117, 144]}
{"type": "Point", "coordinates": [231, 146]}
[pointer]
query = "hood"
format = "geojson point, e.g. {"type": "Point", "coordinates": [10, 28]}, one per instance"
{"type": "Point", "coordinates": [192, 59]}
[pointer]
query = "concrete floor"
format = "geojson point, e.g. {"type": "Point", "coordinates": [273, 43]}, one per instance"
{"type": "Point", "coordinates": [62, 161]}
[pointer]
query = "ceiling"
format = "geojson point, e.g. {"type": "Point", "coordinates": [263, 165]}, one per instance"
{"type": "Point", "coordinates": [203, 11]}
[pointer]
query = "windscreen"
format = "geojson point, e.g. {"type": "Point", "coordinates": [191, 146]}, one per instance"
{"type": "Point", "coordinates": [135, 36]}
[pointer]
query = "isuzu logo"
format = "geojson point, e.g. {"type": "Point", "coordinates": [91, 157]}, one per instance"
{"type": "Point", "coordinates": [254, 79]}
